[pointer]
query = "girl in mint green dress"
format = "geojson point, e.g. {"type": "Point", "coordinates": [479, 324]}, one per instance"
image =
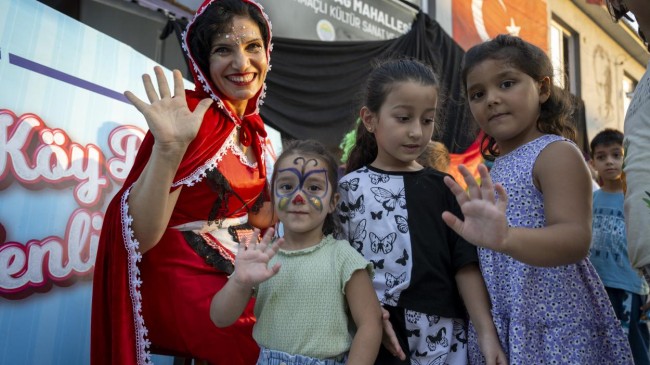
{"type": "Point", "coordinates": [306, 282]}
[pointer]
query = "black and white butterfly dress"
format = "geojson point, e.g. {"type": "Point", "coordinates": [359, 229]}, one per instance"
{"type": "Point", "coordinates": [394, 220]}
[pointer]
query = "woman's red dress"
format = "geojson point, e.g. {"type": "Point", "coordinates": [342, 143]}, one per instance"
{"type": "Point", "coordinates": [159, 301]}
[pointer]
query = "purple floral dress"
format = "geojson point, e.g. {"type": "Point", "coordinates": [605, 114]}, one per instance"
{"type": "Point", "coordinates": [556, 315]}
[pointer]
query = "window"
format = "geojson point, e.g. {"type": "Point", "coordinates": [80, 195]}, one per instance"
{"type": "Point", "coordinates": [564, 55]}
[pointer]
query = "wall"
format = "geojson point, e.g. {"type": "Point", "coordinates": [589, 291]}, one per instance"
{"type": "Point", "coordinates": [602, 65]}
{"type": "Point", "coordinates": [442, 11]}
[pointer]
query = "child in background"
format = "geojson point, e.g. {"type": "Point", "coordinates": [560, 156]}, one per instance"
{"type": "Point", "coordinates": [304, 289]}
{"type": "Point", "coordinates": [548, 304]}
{"type": "Point", "coordinates": [435, 156]}
{"type": "Point", "coordinates": [625, 286]}
{"type": "Point", "coordinates": [426, 276]}
{"type": "Point", "coordinates": [637, 137]}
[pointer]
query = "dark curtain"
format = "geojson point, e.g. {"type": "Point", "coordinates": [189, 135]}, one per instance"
{"type": "Point", "coordinates": [315, 88]}
{"type": "Point", "coordinates": [176, 26]}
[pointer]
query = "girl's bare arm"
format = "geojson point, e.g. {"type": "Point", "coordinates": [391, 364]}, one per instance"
{"type": "Point", "coordinates": [472, 289]}
{"type": "Point", "coordinates": [367, 317]}
{"type": "Point", "coordinates": [251, 268]}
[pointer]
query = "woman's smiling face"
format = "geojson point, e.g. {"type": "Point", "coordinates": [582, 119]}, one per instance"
{"type": "Point", "coordinates": [238, 62]}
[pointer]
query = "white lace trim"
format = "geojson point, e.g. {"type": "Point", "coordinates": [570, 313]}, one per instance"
{"type": "Point", "coordinates": [237, 151]}
{"type": "Point", "coordinates": [142, 344]}
{"type": "Point", "coordinates": [230, 144]}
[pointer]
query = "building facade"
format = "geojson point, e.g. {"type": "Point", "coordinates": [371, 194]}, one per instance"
{"type": "Point", "coordinates": [599, 61]}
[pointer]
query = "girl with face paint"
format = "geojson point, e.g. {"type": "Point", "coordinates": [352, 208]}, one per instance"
{"type": "Point", "coordinates": [301, 308]}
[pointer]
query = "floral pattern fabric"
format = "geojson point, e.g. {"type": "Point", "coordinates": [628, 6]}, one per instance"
{"type": "Point", "coordinates": [545, 315]}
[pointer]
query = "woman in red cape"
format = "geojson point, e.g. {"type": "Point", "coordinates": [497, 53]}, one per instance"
{"type": "Point", "coordinates": [197, 184]}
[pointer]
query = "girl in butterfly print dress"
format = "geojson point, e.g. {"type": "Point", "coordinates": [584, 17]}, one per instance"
{"type": "Point", "coordinates": [391, 211]}
{"type": "Point", "coordinates": [548, 303]}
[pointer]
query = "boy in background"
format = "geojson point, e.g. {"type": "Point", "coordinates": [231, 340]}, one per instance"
{"type": "Point", "coordinates": [625, 286]}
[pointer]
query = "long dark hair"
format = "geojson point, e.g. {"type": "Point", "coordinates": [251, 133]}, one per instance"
{"type": "Point", "coordinates": [555, 114]}
{"type": "Point", "coordinates": [218, 19]}
{"type": "Point", "coordinates": [314, 149]}
{"type": "Point", "coordinates": [378, 86]}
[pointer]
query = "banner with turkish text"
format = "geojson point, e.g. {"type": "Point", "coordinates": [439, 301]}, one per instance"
{"type": "Point", "coordinates": [68, 138]}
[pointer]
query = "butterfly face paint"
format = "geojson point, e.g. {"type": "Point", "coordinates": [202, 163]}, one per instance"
{"type": "Point", "coordinates": [305, 178]}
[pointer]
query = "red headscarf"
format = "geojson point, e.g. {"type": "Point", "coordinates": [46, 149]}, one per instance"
{"type": "Point", "coordinates": [118, 332]}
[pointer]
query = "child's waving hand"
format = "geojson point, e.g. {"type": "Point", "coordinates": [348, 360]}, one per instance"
{"type": "Point", "coordinates": [251, 268]}
{"type": "Point", "coordinates": [170, 120]}
{"type": "Point", "coordinates": [251, 262]}
{"type": "Point", "coordinates": [485, 222]}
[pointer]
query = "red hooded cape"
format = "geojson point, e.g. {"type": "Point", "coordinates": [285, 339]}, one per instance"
{"type": "Point", "coordinates": [118, 331]}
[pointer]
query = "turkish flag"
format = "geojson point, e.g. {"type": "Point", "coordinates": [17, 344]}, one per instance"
{"type": "Point", "coordinates": [471, 158]}
{"type": "Point", "coordinates": [477, 21]}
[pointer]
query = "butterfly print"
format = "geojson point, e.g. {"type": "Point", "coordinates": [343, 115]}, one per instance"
{"type": "Point", "coordinates": [393, 281]}
{"type": "Point", "coordinates": [458, 325]}
{"type": "Point", "coordinates": [376, 215]}
{"type": "Point", "coordinates": [351, 209]}
{"type": "Point", "coordinates": [384, 245]}
{"type": "Point", "coordinates": [390, 298]}
{"type": "Point", "coordinates": [379, 178]}
{"type": "Point", "coordinates": [415, 332]}
{"type": "Point", "coordinates": [440, 360]}
{"type": "Point", "coordinates": [438, 340]}
{"type": "Point", "coordinates": [420, 354]}
{"type": "Point", "coordinates": [459, 333]}
{"type": "Point", "coordinates": [359, 235]}
{"type": "Point", "coordinates": [350, 185]}
{"type": "Point", "coordinates": [379, 264]}
{"type": "Point", "coordinates": [343, 218]}
{"type": "Point", "coordinates": [433, 319]}
{"type": "Point", "coordinates": [402, 224]}
{"type": "Point", "coordinates": [389, 200]}
{"type": "Point", "coordinates": [402, 260]}
{"type": "Point", "coordinates": [412, 316]}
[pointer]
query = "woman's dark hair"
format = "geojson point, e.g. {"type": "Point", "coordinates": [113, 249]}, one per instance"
{"type": "Point", "coordinates": [379, 84]}
{"type": "Point", "coordinates": [217, 19]}
{"type": "Point", "coordinates": [555, 114]}
{"type": "Point", "coordinates": [606, 137]}
{"type": "Point", "coordinates": [314, 149]}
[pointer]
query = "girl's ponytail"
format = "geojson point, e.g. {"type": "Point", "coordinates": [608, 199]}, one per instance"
{"type": "Point", "coordinates": [364, 150]}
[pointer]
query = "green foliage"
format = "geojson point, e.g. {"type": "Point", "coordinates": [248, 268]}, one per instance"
{"type": "Point", "coordinates": [348, 142]}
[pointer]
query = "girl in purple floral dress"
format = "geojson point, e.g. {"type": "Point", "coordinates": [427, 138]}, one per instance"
{"type": "Point", "coordinates": [533, 226]}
